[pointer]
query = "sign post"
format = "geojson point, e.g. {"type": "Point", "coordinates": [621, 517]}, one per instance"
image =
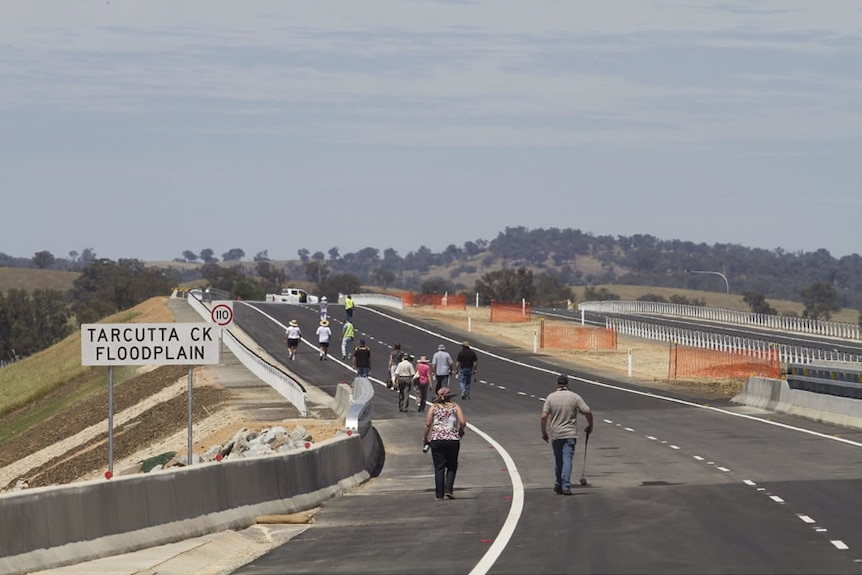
{"type": "Point", "coordinates": [148, 344]}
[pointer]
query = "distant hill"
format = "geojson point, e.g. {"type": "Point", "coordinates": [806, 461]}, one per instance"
{"type": "Point", "coordinates": [31, 279]}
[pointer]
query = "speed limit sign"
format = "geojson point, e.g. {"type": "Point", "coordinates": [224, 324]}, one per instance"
{"type": "Point", "coordinates": [222, 313]}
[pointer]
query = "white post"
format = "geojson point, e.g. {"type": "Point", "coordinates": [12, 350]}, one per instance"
{"type": "Point", "coordinates": [535, 342]}
{"type": "Point", "coordinates": [523, 306]}
{"type": "Point", "coordinates": [469, 323]}
{"type": "Point", "coordinates": [582, 318]}
{"type": "Point", "coordinates": [477, 299]}
{"type": "Point", "coordinates": [630, 362]}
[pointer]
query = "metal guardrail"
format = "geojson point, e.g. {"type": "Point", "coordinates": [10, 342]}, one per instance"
{"type": "Point", "coordinates": [710, 340]}
{"type": "Point", "coordinates": [827, 379]}
{"type": "Point", "coordinates": [777, 322]}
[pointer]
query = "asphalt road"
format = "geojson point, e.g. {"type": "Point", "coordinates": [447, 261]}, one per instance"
{"type": "Point", "coordinates": [675, 485]}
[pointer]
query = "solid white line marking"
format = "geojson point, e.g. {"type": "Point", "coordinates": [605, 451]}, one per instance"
{"type": "Point", "coordinates": [499, 545]}
{"type": "Point", "coordinates": [776, 498]}
{"type": "Point", "coordinates": [839, 544]}
{"type": "Point", "coordinates": [805, 518]}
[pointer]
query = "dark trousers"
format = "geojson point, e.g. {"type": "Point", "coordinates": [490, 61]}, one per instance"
{"type": "Point", "coordinates": [404, 386]}
{"type": "Point", "coordinates": [442, 381]}
{"type": "Point", "coordinates": [444, 453]}
{"type": "Point", "coordinates": [422, 392]}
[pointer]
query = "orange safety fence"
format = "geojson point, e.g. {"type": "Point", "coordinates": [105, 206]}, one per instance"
{"type": "Point", "coordinates": [695, 362]}
{"type": "Point", "coordinates": [569, 337]}
{"type": "Point", "coordinates": [446, 301]}
{"type": "Point", "coordinates": [510, 312]}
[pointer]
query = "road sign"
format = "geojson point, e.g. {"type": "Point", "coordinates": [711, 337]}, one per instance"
{"type": "Point", "coordinates": [222, 313]}
{"type": "Point", "coordinates": [149, 344]}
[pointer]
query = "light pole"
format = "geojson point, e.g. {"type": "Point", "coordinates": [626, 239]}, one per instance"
{"type": "Point", "coordinates": [724, 277]}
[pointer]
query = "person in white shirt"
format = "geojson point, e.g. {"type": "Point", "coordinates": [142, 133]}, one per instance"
{"type": "Point", "coordinates": [324, 305]}
{"type": "Point", "coordinates": [292, 335]}
{"type": "Point", "coordinates": [323, 335]}
{"type": "Point", "coordinates": [404, 377]}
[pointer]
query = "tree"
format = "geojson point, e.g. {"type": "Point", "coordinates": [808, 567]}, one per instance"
{"type": "Point", "coordinates": [262, 256]}
{"type": "Point", "coordinates": [207, 256]}
{"type": "Point", "coordinates": [591, 293]}
{"type": "Point", "coordinates": [333, 254]}
{"type": "Point", "coordinates": [273, 279]}
{"type": "Point", "coordinates": [316, 272]}
{"type": "Point", "coordinates": [340, 283]}
{"type": "Point", "coordinates": [233, 255]}
{"type": "Point", "coordinates": [190, 256]}
{"type": "Point", "coordinates": [550, 290]}
{"type": "Point", "coordinates": [43, 259]}
{"type": "Point", "coordinates": [820, 300]}
{"type": "Point", "coordinates": [437, 285]}
{"type": "Point", "coordinates": [757, 302]}
{"type": "Point", "coordinates": [303, 255]}
{"type": "Point", "coordinates": [382, 277]}
{"type": "Point", "coordinates": [506, 285]}
{"type": "Point", "coordinates": [31, 322]}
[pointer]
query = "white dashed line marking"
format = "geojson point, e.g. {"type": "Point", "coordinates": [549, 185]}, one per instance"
{"type": "Point", "coordinates": [628, 429]}
{"type": "Point", "coordinates": [698, 457]}
{"type": "Point", "coordinates": [776, 498]}
{"type": "Point", "coordinates": [725, 469]}
{"type": "Point", "coordinates": [805, 518]}
{"type": "Point", "coordinates": [673, 446]}
{"type": "Point", "coordinates": [821, 530]}
{"type": "Point", "coordinates": [749, 482]}
{"type": "Point", "coordinates": [651, 437]}
{"type": "Point", "coordinates": [521, 393]}
{"type": "Point", "coordinates": [839, 544]}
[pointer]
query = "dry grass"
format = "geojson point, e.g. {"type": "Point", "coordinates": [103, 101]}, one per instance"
{"type": "Point", "coordinates": [39, 374]}
{"type": "Point", "coordinates": [32, 279]}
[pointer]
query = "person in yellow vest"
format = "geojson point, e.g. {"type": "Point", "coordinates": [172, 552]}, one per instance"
{"type": "Point", "coordinates": [347, 334]}
{"type": "Point", "coordinates": [348, 307]}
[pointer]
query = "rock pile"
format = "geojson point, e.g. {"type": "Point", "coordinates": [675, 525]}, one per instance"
{"type": "Point", "coordinates": [245, 443]}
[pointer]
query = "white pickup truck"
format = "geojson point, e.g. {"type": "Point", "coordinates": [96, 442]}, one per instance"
{"type": "Point", "coordinates": [292, 295]}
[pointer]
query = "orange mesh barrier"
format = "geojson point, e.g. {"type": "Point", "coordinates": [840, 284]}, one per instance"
{"type": "Point", "coordinates": [568, 337]}
{"type": "Point", "coordinates": [691, 361]}
{"type": "Point", "coordinates": [450, 302]}
{"type": "Point", "coordinates": [510, 312]}
{"type": "Point", "coordinates": [406, 298]}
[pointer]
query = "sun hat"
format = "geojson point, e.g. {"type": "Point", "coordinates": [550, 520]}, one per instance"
{"type": "Point", "coordinates": [293, 322]}
{"type": "Point", "coordinates": [423, 359]}
{"type": "Point", "coordinates": [444, 393]}
{"type": "Point", "coordinates": [323, 298]}
{"type": "Point", "coordinates": [441, 347]}
{"type": "Point", "coordinates": [465, 343]}
{"type": "Point", "coordinates": [324, 322]}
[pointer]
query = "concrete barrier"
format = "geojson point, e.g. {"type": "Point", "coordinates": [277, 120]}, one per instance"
{"type": "Point", "coordinates": [776, 395]}
{"type": "Point", "coordinates": [54, 526]}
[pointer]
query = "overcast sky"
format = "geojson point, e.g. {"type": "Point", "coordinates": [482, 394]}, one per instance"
{"type": "Point", "coordinates": [143, 129]}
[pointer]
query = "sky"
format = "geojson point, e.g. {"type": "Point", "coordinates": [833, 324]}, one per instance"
{"type": "Point", "coordinates": [142, 129]}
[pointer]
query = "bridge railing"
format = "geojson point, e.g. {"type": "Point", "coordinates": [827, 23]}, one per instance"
{"type": "Point", "coordinates": [776, 322]}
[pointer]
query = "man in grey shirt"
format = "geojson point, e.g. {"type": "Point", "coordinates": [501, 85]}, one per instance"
{"type": "Point", "coordinates": [441, 365]}
{"type": "Point", "coordinates": [560, 425]}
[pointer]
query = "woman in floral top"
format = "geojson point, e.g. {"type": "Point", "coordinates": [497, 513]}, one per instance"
{"type": "Point", "coordinates": [444, 428]}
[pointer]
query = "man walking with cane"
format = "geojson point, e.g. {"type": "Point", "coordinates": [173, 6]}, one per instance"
{"type": "Point", "coordinates": [559, 425]}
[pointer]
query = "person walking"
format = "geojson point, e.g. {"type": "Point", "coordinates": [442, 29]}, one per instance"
{"type": "Point", "coordinates": [347, 334]}
{"type": "Point", "coordinates": [362, 359]}
{"type": "Point", "coordinates": [348, 307]}
{"type": "Point", "coordinates": [292, 335]}
{"type": "Point", "coordinates": [441, 367]}
{"type": "Point", "coordinates": [324, 305]}
{"type": "Point", "coordinates": [560, 426]}
{"type": "Point", "coordinates": [395, 357]}
{"type": "Point", "coordinates": [444, 427]}
{"type": "Point", "coordinates": [404, 376]}
{"type": "Point", "coordinates": [323, 335]}
{"type": "Point", "coordinates": [466, 364]}
{"type": "Point", "coordinates": [422, 381]}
